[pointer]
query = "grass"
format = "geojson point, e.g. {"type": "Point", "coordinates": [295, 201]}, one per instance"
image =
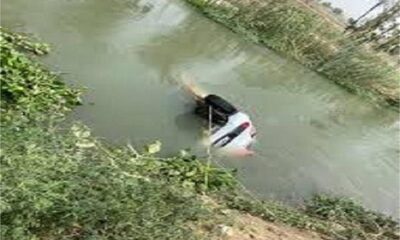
{"type": "Point", "coordinates": [290, 29]}
{"type": "Point", "coordinates": [334, 217]}
{"type": "Point", "coordinates": [60, 182]}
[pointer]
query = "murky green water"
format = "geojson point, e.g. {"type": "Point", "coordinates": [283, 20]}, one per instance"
{"type": "Point", "coordinates": [312, 135]}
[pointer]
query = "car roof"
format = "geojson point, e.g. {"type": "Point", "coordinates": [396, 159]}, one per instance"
{"type": "Point", "coordinates": [220, 104]}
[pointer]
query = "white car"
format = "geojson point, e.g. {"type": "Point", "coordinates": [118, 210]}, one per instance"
{"type": "Point", "coordinates": [233, 131]}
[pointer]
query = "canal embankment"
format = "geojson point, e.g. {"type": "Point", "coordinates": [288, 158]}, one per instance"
{"type": "Point", "coordinates": [295, 31]}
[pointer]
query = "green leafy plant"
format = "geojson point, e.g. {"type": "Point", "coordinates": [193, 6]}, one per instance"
{"type": "Point", "coordinates": [27, 88]}
{"type": "Point", "coordinates": [53, 187]}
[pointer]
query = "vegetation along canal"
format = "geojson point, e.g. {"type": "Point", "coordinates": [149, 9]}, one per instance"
{"type": "Point", "coordinates": [313, 135]}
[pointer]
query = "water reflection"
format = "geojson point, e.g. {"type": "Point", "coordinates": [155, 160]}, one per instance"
{"type": "Point", "coordinates": [187, 45]}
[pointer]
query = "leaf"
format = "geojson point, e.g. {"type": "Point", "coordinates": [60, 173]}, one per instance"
{"type": "Point", "coordinates": [154, 147]}
{"type": "Point", "coordinates": [191, 173]}
{"type": "Point", "coordinates": [85, 144]}
{"type": "Point", "coordinates": [183, 153]}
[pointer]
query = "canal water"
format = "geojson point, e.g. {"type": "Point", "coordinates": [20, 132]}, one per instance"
{"type": "Point", "coordinates": [312, 135]}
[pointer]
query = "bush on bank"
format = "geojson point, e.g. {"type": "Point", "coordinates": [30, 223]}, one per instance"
{"type": "Point", "coordinates": [68, 186]}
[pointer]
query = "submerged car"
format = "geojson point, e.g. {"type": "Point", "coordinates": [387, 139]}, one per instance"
{"type": "Point", "coordinates": [232, 130]}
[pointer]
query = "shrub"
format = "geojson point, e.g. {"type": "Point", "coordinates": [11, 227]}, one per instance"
{"type": "Point", "coordinates": [27, 88]}
{"type": "Point", "coordinates": [67, 185]}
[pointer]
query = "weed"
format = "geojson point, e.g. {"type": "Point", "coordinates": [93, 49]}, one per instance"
{"type": "Point", "coordinates": [288, 28]}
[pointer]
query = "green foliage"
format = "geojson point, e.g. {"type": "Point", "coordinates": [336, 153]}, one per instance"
{"type": "Point", "coordinates": [291, 29]}
{"type": "Point", "coordinates": [365, 224]}
{"type": "Point", "coordinates": [190, 173]}
{"type": "Point", "coordinates": [24, 43]}
{"type": "Point", "coordinates": [27, 88]}
{"type": "Point", "coordinates": [67, 185]}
